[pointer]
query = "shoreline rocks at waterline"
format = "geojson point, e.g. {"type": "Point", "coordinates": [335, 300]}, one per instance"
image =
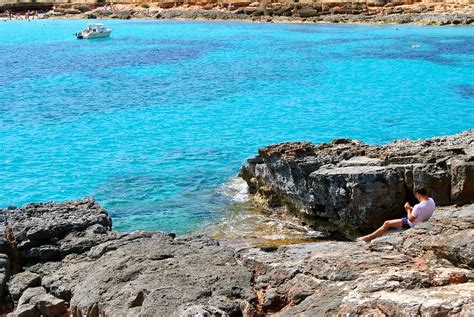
{"type": "Point", "coordinates": [62, 259]}
{"type": "Point", "coordinates": [349, 184]}
{"type": "Point", "coordinates": [66, 256]}
{"type": "Point", "coordinates": [310, 12]}
{"type": "Point", "coordinates": [423, 271]}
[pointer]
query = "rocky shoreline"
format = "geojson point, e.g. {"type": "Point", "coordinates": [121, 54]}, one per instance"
{"type": "Point", "coordinates": [347, 184]}
{"type": "Point", "coordinates": [61, 259]}
{"type": "Point", "coordinates": [424, 14]}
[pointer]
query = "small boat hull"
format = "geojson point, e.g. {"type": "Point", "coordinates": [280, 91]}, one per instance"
{"type": "Point", "coordinates": [94, 35]}
{"type": "Point", "coordinates": [97, 35]}
{"type": "Point", "coordinates": [94, 31]}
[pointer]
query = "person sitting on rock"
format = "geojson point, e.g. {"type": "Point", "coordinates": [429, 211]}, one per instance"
{"type": "Point", "coordinates": [419, 213]}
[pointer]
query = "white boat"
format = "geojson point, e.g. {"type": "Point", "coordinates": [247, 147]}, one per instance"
{"type": "Point", "coordinates": [94, 31]}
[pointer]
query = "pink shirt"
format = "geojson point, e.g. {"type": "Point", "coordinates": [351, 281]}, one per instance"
{"type": "Point", "coordinates": [422, 212]}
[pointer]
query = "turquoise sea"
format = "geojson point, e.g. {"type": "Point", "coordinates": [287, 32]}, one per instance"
{"type": "Point", "coordinates": [155, 121]}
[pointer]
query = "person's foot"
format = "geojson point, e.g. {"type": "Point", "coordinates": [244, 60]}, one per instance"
{"type": "Point", "coordinates": [363, 239]}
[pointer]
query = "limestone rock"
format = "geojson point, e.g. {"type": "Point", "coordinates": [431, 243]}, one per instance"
{"type": "Point", "coordinates": [370, 11]}
{"type": "Point", "coordinates": [72, 263]}
{"type": "Point", "coordinates": [423, 271]}
{"type": "Point", "coordinates": [307, 12]}
{"type": "Point", "coordinates": [36, 302]}
{"type": "Point", "coordinates": [407, 273]}
{"type": "Point", "coordinates": [50, 231]}
{"type": "Point", "coordinates": [153, 274]}
{"type": "Point", "coordinates": [199, 310]}
{"type": "Point", "coordinates": [4, 273]}
{"type": "Point", "coordinates": [26, 310]}
{"type": "Point", "coordinates": [122, 15]}
{"type": "Point", "coordinates": [21, 281]}
{"type": "Point", "coordinates": [350, 183]}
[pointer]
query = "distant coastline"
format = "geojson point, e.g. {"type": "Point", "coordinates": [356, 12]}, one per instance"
{"type": "Point", "coordinates": [437, 14]}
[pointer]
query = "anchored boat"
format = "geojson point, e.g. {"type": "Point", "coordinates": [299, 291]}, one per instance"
{"type": "Point", "coordinates": [94, 31]}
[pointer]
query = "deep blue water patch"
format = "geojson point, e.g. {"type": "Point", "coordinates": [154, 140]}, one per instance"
{"type": "Point", "coordinates": [466, 91]}
{"type": "Point", "coordinates": [452, 50]}
{"type": "Point", "coordinates": [57, 58]}
{"type": "Point", "coordinates": [154, 121]}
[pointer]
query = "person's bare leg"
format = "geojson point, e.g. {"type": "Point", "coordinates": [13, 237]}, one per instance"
{"type": "Point", "coordinates": [395, 223]}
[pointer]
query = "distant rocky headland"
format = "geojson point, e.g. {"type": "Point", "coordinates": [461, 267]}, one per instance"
{"type": "Point", "coordinates": [456, 12]}
{"type": "Point", "coordinates": [61, 259]}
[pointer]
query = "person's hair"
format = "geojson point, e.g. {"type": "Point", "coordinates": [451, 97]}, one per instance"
{"type": "Point", "coordinates": [421, 191]}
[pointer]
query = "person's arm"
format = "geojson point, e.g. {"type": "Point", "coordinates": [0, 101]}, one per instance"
{"type": "Point", "coordinates": [409, 210]}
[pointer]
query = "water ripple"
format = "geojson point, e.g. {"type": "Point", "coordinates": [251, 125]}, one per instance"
{"type": "Point", "coordinates": [155, 119]}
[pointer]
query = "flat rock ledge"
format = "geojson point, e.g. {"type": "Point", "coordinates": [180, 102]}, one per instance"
{"type": "Point", "coordinates": [63, 259]}
{"type": "Point", "coordinates": [349, 184]}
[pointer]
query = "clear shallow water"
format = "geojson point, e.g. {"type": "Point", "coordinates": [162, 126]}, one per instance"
{"type": "Point", "coordinates": [155, 120]}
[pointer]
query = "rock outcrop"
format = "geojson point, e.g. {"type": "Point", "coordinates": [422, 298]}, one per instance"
{"type": "Point", "coordinates": [426, 271]}
{"type": "Point", "coordinates": [351, 184]}
{"type": "Point", "coordinates": [49, 231]}
{"type": "Point", "coordinates": [68, 258]}
{"type": "Point", "coordinates": [63, 259]}
{"type": "Point", "coordinates": [154, 274]}
{"type": "Point", "coordinates": [343, 11]}
{"type": "Point", "coordinates": [37, 302]}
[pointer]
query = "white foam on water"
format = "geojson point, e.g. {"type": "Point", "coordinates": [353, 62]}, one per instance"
{"type": "Point", "coordinates": [235, 188]}
{"type": "Point", "coordinates": [244, 223]}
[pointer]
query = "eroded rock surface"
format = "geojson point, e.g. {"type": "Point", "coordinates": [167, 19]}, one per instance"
{"type": "Point", "coordinates": [22, 281]}
{"type": "Point", "coordinates": [344, 11]}
{"type": "Point", "coordinates": [50, 231]}
{"type": "Point", "coordinates": [62, 259]}
{"type": "Point", "coordinates": [154, 274]}
{"type": "Point", "coordinates": [353, 184]}
{"type": "Point", "coordinates": [67, 254]}
{"type": "Point", "coordinates": [37, 302]}
{"type": "Point", "coordinates": [426, 271]}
